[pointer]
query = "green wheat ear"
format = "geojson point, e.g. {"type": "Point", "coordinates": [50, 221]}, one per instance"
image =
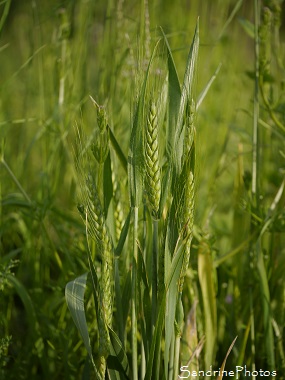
{"type": "Point", "coordinates": [188, 201]}
{"type": "Point", "coordinates": [118, 209]}
{"type": "Point", "coordinates": [97, 229]}
{"type": "Point", "coordinates": [153, 172]}
{"type": "Point", "coordinates": [100, 146]}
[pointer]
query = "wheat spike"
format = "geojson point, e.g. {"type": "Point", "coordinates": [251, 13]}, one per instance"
{"type": "Point", "coordinates": [118, 211]}
{"type": "Point", "coordinates": [99, 231]}
{"type": "Point", "coordinates": [153, 174]}
{"type": "Point", "coordinates": [187, 210]}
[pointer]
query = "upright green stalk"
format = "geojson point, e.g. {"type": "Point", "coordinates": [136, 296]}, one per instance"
{"type": "Point", "coordinates": [154, 271]}
{"type": "Point", "coordinates": [255, 138]}
{"type": "Point", "coordinates": [134, 297]}
{"type": "Point", "coordinates": [264, 288]}
{"type": "Point", "coordinates": [255, 167]}
{"type": "Point", "coordinates": [252, 332]}
{"type": "Point", "coordinates": [178, 333]}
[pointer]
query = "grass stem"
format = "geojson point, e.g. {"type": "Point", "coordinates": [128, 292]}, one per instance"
{"type": "Point", "coordinates": [14, 178]}
{"type": "Point", "coordinates": [154, 272]}
{"type": "Point", "coordinates": [134, 297]}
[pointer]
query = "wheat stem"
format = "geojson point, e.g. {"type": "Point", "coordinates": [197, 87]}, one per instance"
{"type": "Point", "coordinates": [134, 298]}
{"type": "Point", "coordinates": [154, 272]}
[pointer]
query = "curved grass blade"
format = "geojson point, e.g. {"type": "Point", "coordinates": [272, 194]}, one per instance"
{"type": "Point", "coordinates": [74, 295]}
{"type": "Point", "coordinates": [31, 316]}
{"type": "Point", "coordinates": [27, 301]}
{"type": "Point", "coordinates": [118, 365]}
{"type": "Point", "coordinates": [220, 377]}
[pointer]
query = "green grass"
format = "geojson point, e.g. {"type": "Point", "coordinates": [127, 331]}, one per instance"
{"type": "Point", "coordinates": [111, 177]}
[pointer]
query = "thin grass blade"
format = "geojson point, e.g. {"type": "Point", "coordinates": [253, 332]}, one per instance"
{"type": "Point", "coordinates": [118, 150]}
{"type": "Point", "coordinates": [118, 365]}
{"type": "Point", "coordinates": [186, 94]}
{"type": "Point", "coordinates": [123, 235]}
{"type": "Point", "coordinates": [174, 92]}
{"type": "Point", "coordinates": [206, 280]}
{"type": "Point", "coordinates": [172, 274]}
{"type": "Point", "coordinates": [220, 377]}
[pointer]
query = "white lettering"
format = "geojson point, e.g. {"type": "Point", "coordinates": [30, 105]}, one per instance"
{"type": "Point", "coordinates": [184, 369]}
{"type": "Point", "coordinates": [238, 369]}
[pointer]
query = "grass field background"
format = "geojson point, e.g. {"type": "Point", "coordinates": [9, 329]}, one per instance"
{"type": "Point", "coordinates": [54, 55]}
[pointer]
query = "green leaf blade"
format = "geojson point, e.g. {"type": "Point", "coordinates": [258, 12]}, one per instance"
{"type": "Point", "coordinates": [74, 295]}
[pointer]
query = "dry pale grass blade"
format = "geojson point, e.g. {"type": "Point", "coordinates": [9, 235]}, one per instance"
{"type": "Point", "coordinates": [207, 284]}
{"type": "Point", "coordinates": [220, 377]}
{"type": "Point", "coordinates": [195, 354]}
{"type": "Point", "coordinates": [190, 347]}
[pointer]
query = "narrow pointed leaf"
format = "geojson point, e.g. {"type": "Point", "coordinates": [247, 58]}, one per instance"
{"type": "Point", "coordinates": [174, 92]}
{"type": "Point", "coordinates": [118, 365]}
{"type": "Point", "coordinates": [118, 150]}
{"type": "Point", "coordinates": [123, 235]}
{"type": "Point", "coordinates": [173, 276]}
{"type": "Point", "coordinates": [186, 94]}
{"type": "Point", "coordinates": [156, 341]}
{"type": "Point", "coordinates": [207, 87]}
{"type": "Point", "coordinates": [247, 26]}
{"type": "Point", "coordinates": [27, 302]}
{"type": "Point", "coordinates": [220, 377]}
{"type": "Point", "coordinates": [171, 282]}
{"type": "Point", "coordinates": [136, 160]}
